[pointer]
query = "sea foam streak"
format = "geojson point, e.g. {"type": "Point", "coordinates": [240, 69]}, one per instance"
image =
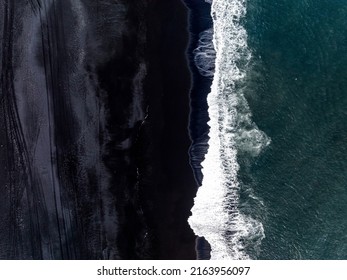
{"type": "Point", "coordinates": [205, 54]}
{"type": "Point", "coordinates": [216, 214]}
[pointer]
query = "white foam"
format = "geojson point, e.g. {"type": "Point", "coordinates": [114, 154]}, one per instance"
{"type": "Point", "coordinates": [216, 214]}
{"type": "Point", "coordinates": [204, 54]}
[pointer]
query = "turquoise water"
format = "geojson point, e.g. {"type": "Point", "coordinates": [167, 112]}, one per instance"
{"type": "Point", "coordinates": [296, 88]}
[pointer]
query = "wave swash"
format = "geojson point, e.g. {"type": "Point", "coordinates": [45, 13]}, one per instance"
{"type": "Point", "coordinates": [216, 215]}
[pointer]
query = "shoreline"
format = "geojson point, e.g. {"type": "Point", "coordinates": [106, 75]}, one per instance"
{"type": "Point", "coordinates": [199, 20]}
{"type": "Point", "coordinates": [120, 174]}
{"type": "Point", "coordinates": [168, 85]}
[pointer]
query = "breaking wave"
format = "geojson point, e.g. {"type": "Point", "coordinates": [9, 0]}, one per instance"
{"type": "Point", "coordinates": [216, 214]}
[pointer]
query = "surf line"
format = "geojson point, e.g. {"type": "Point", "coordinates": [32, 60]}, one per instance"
{"type": "Point", "coordinates": [216, 215]}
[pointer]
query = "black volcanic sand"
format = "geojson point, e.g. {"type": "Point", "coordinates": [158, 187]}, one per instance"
{"type": "Point", "coordinates": [168, 85]}
{"type": "Point", "coordinates": [156, 193]}
{"type": "Point", "coordinates": [199, 21]}
{"type": "Point", "coordinates": [94, 149]}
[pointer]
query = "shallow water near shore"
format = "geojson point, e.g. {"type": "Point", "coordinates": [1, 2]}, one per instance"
{"type": "Point", "coordinates": [295, 87]}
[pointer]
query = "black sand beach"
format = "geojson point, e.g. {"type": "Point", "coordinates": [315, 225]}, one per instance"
{"type": "Point", "coordinates": [94, 131]}
{"type": "Point", "coordinates": [165, 189]}
{"type": "Point", "coordinates": [168, 85]}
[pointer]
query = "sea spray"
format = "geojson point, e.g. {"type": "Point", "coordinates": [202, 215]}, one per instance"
{"type": "Point", "coordinates": [216, 214]}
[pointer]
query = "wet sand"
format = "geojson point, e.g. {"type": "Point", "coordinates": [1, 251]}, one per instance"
{"type": "Point", "coordinates": [94, 138]}
{"type": "Point", "coordinates": [168, 85]}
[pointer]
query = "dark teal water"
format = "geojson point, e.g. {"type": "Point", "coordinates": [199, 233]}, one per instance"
{"type": "Point", "coordinates": [297, 92]}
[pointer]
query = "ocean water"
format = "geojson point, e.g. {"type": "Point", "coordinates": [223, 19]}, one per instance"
{"type": "Point", "coordinates": [274, 177]}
